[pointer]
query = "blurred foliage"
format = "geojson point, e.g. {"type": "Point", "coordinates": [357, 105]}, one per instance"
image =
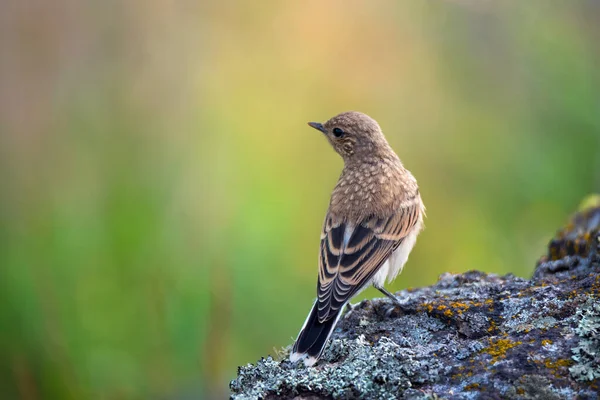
{"type": "Point", "coordinates": [161, 196]}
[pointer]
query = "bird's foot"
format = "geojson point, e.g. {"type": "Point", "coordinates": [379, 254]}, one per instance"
{"type": "Point", "coordinates": [349, 308]}
{"type": "Point", "coordinates": [393, 310]}
{"type": "Point", "coordinates": [396, 306]}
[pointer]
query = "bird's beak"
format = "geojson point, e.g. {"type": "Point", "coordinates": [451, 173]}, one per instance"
{"type": "Point", "coordinates": [318, 126]}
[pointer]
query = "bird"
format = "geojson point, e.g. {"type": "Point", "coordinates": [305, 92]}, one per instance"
{"type": "Point", "coordinates": [374, 217]}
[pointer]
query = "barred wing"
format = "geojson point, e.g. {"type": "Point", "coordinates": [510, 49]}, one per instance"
{"type": "Point", "coordinates": [352, 253]}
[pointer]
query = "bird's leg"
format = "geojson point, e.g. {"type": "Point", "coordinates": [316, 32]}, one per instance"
{"type": "Point", "coordinates": [349, 308]}
{"type": "Point", "coordinates": [393, 298]}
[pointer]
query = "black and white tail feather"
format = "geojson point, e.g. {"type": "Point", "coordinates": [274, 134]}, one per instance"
{"type": "Point", "coordinates": [313, 337]}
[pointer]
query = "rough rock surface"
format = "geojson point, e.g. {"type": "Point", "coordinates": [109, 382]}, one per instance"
{"type": "Point", "coordinates": [469, 336]}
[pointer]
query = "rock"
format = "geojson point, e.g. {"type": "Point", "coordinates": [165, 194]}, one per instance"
{"type": "Point", "coordinates": [471, 335]}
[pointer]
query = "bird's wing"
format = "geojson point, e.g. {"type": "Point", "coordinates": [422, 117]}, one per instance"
{"type": "Point", "coordinates": [352, 253]}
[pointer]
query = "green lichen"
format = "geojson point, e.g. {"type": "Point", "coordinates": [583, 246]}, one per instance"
{"type": "Point", "coordinates": [354, 369]}
{"type": "Point", "coordinates": [534, 387]}
{"type": "Point", "coordinates": [587, 353]}
{"type": "Point", "coordinates": [420, 354]}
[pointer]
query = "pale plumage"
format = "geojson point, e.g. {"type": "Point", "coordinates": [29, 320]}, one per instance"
{"type": "Point", "coordinates": [372, 223]}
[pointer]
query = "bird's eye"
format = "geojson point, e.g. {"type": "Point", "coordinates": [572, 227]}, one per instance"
{"type": "Point", "coordinates": [337, 132]}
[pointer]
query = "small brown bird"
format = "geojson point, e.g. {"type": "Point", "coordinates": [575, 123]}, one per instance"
{"type": "Point", "coordinates": [372, 223]}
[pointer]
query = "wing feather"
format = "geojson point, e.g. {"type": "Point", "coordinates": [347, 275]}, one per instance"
{"type": "Point", "coordinates": [347, 263]}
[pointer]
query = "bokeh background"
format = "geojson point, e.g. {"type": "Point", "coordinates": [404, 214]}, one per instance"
{"type": "Point", "coordinates": [161, 196]}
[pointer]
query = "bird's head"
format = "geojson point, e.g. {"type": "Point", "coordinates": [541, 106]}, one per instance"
{"type": "Point", "coordinates": [353, 134]}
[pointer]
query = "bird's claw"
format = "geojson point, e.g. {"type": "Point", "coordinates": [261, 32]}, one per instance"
{"type": "Point", "coordinates": [349, 308]}
{"type": "Point", "coordinates": [395, 309]}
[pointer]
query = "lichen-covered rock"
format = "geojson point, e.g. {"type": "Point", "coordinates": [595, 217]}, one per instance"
{"type": "Point", "coordinates": [587, 352]}
{"type": "Point", "coordinates": [469, 336]}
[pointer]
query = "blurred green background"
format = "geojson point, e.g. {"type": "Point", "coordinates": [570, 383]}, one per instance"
{"type": "Point", "coordinates": [161, 196]}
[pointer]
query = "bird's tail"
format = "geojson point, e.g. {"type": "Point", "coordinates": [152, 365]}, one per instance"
{"type": "Point", "coordinates": [313, 337]}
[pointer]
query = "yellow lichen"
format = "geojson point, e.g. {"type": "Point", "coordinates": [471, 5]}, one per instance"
{"type": "Point", "coordinates": [564, 362]}
{"type": "Point", "coordinates": [498, 348]}
{"type": "Point", "coordinates": [555, 367]}
{"type": "Point", "coordinates": [546, 342]}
